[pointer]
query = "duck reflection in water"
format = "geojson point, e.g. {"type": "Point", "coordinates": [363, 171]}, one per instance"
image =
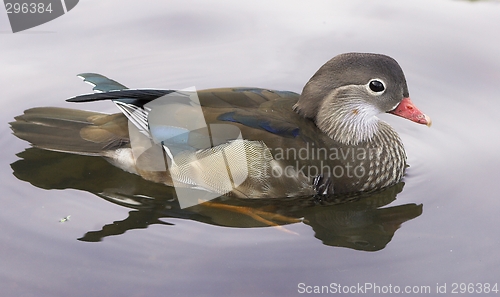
{"type": "Point", "coordinates": [231, 142]}
{"type": "Point", "coordinates": [359, 222]}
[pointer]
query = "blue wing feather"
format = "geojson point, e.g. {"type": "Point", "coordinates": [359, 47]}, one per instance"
{"type": "Point", "coordinates": [275, 126]}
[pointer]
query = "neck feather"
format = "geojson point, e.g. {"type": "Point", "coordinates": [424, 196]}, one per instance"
{"type": "Point", "coordinates": [347, 118]}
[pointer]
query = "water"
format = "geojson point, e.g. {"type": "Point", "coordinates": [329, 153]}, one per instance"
{"type": "Point", "coordinates": [447, 209]}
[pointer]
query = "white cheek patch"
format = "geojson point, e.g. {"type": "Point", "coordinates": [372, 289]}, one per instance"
{"type": "Point", "coordinates": [394, 107]}
{"type": "Point", "coordinates": [349, 119]}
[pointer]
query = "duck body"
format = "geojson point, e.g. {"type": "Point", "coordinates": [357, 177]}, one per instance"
{"type": "Point", "coordinates": [328, 165]}
{"type": "Point", "coordinates": [246, 142]}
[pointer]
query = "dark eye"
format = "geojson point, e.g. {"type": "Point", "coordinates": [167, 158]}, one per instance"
{"type": "Point", "coordinates": [376, 86]}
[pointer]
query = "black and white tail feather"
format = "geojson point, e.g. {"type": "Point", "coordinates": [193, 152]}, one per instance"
{"type": "Point", "coordinates": [130, 102]}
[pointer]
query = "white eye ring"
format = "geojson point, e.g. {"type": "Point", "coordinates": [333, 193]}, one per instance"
{"type": "Point", "coordinates": [376, 86]}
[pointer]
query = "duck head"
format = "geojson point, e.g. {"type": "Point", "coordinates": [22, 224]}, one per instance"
{"type": "Point", "coordinates": [346, 94]}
